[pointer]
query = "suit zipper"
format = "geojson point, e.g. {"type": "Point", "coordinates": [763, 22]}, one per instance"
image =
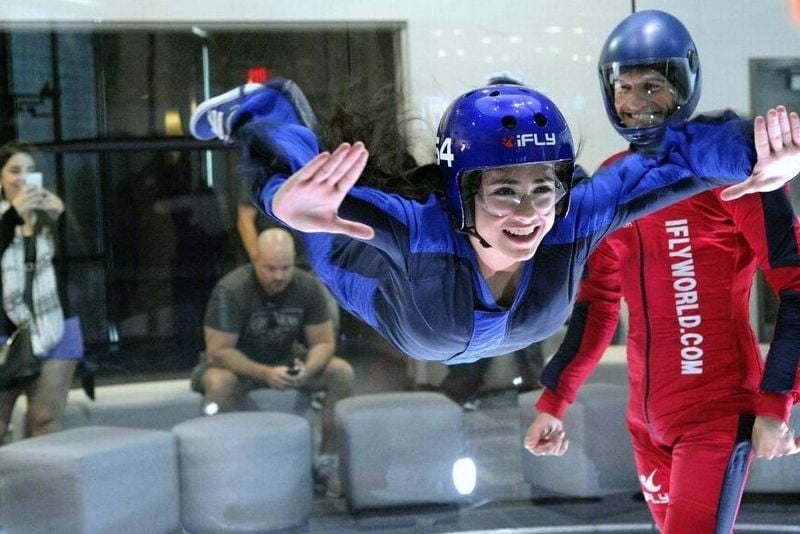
{"type": "Point", "coordinates": [648, 337]}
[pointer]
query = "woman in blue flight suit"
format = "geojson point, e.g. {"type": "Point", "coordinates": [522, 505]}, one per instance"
{"type": "Point", "coordinates": [494, 264]}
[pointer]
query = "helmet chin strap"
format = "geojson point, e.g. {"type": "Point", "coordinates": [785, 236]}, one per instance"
{"type": "Point", "coordinates": [481, 240]}
{"type": "Point", "coordinates": [652, 146]}
{"type": "Point", "coordinates": [469, 224]}
{"type": "Point", "coordinates": [476, 235]}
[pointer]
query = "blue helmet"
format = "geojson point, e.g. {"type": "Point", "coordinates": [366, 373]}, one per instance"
{"type": "Point", "coordinates": [497, 126]}
{"type": "Point", "coordinates": [651, 40]}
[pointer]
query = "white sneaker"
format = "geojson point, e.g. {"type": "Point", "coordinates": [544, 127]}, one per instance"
{"type": "Point", "coordinates": [279, 98]}
{"type": "Point", "coordinates": [212, 117]}
{"type": "Point", "coordinates": [471, 404]}
{"type": "Point", "coordinates": [317, 400]}
{"type": "Point", "coordinates": [326, 476]}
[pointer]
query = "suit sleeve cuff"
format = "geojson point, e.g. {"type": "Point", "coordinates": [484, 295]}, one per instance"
{"type": "Point", "coordinates": [550, 402]}
{"type": "Point", "coordinates": [775, 405]}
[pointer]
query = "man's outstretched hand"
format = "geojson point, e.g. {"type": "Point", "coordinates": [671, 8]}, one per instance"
{"type": "Point", "coordinates": [309, 200]}
{"type": "Point", "coordinates": [546, 436]}
{"type": "Point", "coordinates": [773, 438]}
{"type": "Point", "coordinates": [777, 142]}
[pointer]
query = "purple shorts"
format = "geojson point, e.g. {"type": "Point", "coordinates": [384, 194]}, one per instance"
{"type": "Point", "coordinates": [71, 345]}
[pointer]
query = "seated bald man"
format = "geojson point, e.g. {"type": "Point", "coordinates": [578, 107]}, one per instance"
{"type": "Point", "coordinates": [254, 319]}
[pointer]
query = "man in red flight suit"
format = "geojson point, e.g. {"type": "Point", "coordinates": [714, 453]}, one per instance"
{"type": "Point", "coordinates": [702, 402]}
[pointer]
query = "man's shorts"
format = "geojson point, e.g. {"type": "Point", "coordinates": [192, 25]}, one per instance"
{"type": "Point", "coordinates": [246, 383]}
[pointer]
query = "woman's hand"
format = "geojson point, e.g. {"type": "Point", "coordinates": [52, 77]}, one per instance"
{"type": "Point", "coordinates": [50, 203]}
{"type": "Point", "coordinates": [26, 200]}
{"type": "Point", "coordinates": [32, 198]}
{"type": "Point", "coordinates": [309, 200]}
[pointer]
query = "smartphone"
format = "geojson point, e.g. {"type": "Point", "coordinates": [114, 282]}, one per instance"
{"type": "Point", "coordinates": [34, 179]}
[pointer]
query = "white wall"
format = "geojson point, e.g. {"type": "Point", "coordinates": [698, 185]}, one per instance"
{"type": "Point", "coordinates": [728, 34]}
{"type": "Point", "coordinates": [452, 45]}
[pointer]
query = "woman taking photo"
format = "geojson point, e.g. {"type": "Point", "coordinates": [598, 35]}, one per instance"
{"type": "Point", "coordinates": [28, 218]}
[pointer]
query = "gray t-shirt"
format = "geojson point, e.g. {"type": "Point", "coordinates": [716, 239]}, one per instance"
{"type": "Point", "coordinates": [267, 326]}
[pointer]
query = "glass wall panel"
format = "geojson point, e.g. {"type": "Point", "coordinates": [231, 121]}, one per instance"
{"type": "Point", "coordinates": [150, 224]}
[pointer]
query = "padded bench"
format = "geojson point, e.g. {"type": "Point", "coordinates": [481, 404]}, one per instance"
{"type": "Point", "coordinates": [586, 477]}
{"type": "Point", "coordinates": [245, 472]}
{"type": "Point", "coordinates": [599, 460]}
{"type": "Point", "coordinates": [156, 405]}
{"type": "Point", "coordinates": [91, 480]}
{"type": "Point", "coordinates": [500, 375]}
{"type": "Point", "coordinates": [399, 449]}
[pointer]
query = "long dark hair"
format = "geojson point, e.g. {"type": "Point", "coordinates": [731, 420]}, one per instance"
{"type": "Point", "coordinates": [12, 148]}
{"type": "Point", "coordinates": [380, 125]}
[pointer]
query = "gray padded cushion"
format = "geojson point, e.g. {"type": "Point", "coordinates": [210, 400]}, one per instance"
{"type": "Point", "coordinates": [398, 448]}
{"type": "Point", "coordinates": [245, 472]}
{"type": "Point", "coordinates": [599, 460]}
{"type": "Point", "coordinates": [91, 480]}
{"type": "Point", "coordinates": [158, 405]}
{"type": "Point", "coordinates": [271, 400]}
{"type": "Point", "coordinates": [161, 411]}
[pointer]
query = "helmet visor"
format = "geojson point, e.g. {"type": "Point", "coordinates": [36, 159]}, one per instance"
{"type": "Point", "coordinates": [502, 190]}
{"type": "Point", "coordinates": [647, 93]}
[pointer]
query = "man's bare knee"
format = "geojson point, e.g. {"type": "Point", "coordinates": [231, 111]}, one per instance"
{"type": "Point", "coordinates": [339, 377]}
{"type": "Point", "coordinates": [222, 387]}
{"type": "Point", "coordinates": [220, 380]}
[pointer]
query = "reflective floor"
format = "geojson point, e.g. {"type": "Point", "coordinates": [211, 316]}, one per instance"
{"type": "Point", "coordinates": [502, 503]}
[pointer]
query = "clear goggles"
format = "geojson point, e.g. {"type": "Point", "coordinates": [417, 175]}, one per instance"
{"type": "Point", "coordinates": [503, 190]}
{"type": "Point", "coordinates": [647, 79]}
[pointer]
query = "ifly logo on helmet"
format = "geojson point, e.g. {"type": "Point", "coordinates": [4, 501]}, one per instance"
{"type": "Point", "coordinates": [523, 140]}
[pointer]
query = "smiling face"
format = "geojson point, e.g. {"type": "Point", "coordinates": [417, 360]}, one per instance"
{"type": "Point", "coordinates": [14, 173]}
{"type": "Point", "coordinates": [514, 210]}
{"type": "Point", "coordinates": [643, 97]}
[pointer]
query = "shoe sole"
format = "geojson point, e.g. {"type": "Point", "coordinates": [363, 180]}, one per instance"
{"type": "Point", "coordinates": [297, 98]}
{"type": "Point", "coordinates": [204, 107]}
